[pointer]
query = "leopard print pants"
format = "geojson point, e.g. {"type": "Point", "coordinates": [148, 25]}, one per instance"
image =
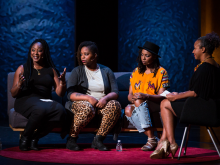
{"type": "Point", "coordinates": [84, 112]}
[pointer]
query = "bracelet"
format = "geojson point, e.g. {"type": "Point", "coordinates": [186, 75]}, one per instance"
{"type": "Point", "coordinates": [62, 84]}
{"type": "Point", "coordinates": [18, 86]}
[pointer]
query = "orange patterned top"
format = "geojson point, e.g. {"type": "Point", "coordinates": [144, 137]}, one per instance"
{"type": "Point", "coordinates": [147, 83]}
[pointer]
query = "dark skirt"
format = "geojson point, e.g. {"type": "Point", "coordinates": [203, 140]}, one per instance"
{"type": "Point", "coordinates": [177, 107]}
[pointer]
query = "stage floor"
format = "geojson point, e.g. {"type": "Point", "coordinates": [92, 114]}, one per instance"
{"type": "Point", "coordinates": [198, 138]}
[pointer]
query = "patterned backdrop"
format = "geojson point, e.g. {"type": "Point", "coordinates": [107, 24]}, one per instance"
{"type": "Point", "coordinates": [172, 24]}
{"type": "Point", "coordinates": [21, 22]}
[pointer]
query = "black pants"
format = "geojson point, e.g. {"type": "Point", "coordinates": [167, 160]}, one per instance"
{"type": "Point", "coordinates": [41, 115]}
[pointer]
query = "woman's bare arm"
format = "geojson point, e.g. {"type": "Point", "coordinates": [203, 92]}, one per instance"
{"type": "Point", "coordinates": [18, 81]}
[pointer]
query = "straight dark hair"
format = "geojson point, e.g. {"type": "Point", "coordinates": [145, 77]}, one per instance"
{"type": "Point", "coordinates": [47, 60]}
{"type": "Point", "coordinates": [142, 67]}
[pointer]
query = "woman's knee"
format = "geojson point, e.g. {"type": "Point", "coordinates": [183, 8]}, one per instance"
{"type": "Point", "coordinates": [84, 107]}
{"type": "Point", "coordinates": [128, 110]}
{"type": "Point", "coordinates": [39, 112]}
{"type": "Point", "coordinates": [114, 106]}
{"type": "Point", "coordinates": [138, 102]}
{"type": "Point", "coordinates": [164, 104]}
{"type": "Point", "coordinates": [60, 109]}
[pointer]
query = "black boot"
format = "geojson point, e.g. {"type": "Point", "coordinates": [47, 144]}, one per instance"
{"type": "Point", "coordinates": [34, 145]}
{"type": "Point", "coordinates": [24, 143]}
{"type": "Point", "coordinates": [34, 140]}
{"type": "Point", "coordinates": [42, 131]}
{"type": "Point", "coordinates": [98, 143]}
{"type": "Point", "coordinates": [71, 144]}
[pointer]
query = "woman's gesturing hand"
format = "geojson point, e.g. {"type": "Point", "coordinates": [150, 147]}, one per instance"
{"type": "Point", "coordinates": [21, 80]}
{"type": "Point", "coordinates": [101, 103]}
{"type": "Point", "coordinates": [62, 77]}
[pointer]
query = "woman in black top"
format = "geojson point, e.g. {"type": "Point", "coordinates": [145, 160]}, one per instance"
{"type": "Point", "coordinates": [91, 89]}
{"type": "Point", "coordinates": [32, 88]}
{"type": "Point", "coordinates": [204, 84]}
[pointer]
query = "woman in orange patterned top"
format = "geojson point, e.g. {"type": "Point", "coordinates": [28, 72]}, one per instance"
{"type": "Point", "coordinates": [147, 82]}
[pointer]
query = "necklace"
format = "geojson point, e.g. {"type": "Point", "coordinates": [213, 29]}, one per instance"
{"type": "Point", "coordinates": [91, 74]}
{"type": "Point", "coordinates": [37, 70]}
{"type": "Point", "coordinates": [201, 63]}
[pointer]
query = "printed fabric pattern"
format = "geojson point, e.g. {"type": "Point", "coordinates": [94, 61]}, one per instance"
{"type": "Point", "coordinates": [147, 83]}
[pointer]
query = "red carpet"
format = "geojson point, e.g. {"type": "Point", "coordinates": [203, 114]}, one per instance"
{"type": "Point", "coordinates": [131, 154]}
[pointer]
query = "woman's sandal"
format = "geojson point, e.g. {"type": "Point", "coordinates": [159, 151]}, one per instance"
{"type": "Point", "coordinates": [150, 145]}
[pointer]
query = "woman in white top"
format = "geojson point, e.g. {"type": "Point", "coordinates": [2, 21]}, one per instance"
{"type": "Point", "coordinates": [91, 89]}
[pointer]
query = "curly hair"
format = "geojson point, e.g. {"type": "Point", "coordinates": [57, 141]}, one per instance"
{"type": "Point", "coordinates": [47, 60]}
{"type": "Point", "coordinates": [211, 41]}
{"type": "Point", "coordinates": [92, 47]}
{"type": "Point", "coordinates": [142, 68]}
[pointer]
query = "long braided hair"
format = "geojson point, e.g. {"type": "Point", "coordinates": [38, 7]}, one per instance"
{"type": "Point", "coordinates": [142, 67]}
{"type": "Point", "coordinates": [47, 60]}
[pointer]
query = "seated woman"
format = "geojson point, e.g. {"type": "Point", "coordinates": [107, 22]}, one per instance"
{"type": "Point", "coordinates": [32, 88]}
{"type": "Point", "coordinates": [147, 82]}
{"type": "Point", "coordinates": [92, 89]}
{"type": "Point", "coordinates": [203, 84]}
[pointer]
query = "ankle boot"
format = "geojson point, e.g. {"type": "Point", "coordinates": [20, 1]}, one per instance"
{"type": "Point", "coordinates": [71, 143]}
{"type": "Point", "coordinates": [98, 143]}
{"type": "Point", "coordinates": [24, 143]}
{"type": "Point", "coordinates": [34, 141]}
{"type": "Point", "coordinates": [34, 145]}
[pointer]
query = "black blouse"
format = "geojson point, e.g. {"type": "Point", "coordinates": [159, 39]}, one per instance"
{"type": "Point", "coordinates": [205, 81]}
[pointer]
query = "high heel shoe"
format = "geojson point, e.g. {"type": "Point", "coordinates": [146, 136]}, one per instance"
{"type": "Point", "coordinates": [165, 145]}
{"type": "Point", "coordinates": [173, 149]}
{"type": "Point", "coordinates": [157, 154]}
{"type": "Point", "coordinates": [160, 153]}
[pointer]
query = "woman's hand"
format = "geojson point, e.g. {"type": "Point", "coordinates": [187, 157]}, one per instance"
{"type": "Point", "coordinates": [21, 80]}
{"type": "Point", "coordinates": [62, 77]}
{"type": "Point", "coordinates": [133, 100]}
{"type": "Point", "coordinates": [175, 93]}
{"type": "Point", "coordinates": [93, 101]}
{"type": "Point", "coordinates": [139, 96]}
{"type": "Point", "coordinates": [101, 103]}
{"type": "Point", "coordinates": [171, 96]}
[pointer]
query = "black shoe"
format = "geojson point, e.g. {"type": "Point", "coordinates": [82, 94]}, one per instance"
{"type": "Point", "coordinates": [24, 143]}
{"type": "Point", "coordinates": [71, 144]}
{"type": "Point", "coordinates": [34, 145]}
{"type": "Point", "coordinates": [98, 143]}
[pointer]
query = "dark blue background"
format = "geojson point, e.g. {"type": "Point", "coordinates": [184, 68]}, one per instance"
{"type": "Point", "coordinates": [172, 24]}
{"type": "Point", "coordinates": [23, 21]}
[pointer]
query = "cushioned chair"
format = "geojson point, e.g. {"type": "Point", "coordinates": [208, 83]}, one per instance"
{"type": "Point", "coordinates": [18, 122]}
{"type": "Point", "coordinates": [197, 111]}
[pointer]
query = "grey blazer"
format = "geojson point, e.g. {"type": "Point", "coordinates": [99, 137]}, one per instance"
{"type": "Point", "coordinates": [78, 82]}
